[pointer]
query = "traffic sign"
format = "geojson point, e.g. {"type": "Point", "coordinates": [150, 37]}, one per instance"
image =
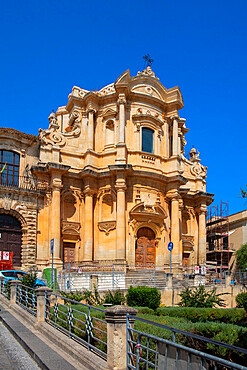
{"type": "Point", "coordinates": [52, 245]}
{"type": "Point", "coordinates": [170, 246]}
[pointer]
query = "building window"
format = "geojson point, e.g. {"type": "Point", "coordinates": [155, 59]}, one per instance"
{"type": "Point", "coordinates": [147, 140]}
{"type": "Point", "coordinates": [109, 133]}
{"type": "Point", "coordinates": [9, 165]}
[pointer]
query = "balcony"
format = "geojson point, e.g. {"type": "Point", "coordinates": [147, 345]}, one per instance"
{"type": "Point", "coordinates": [27, 183]}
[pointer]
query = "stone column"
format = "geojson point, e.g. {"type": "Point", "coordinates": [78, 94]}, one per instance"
{"type": "Point", "coordinates": [88, 224]}
{"type": "Point", "coordinates": [117, 336]}
{"type": "Point", "coordinates": [121, 221]}
{"type": "Point", "coordinates": [56, 217]}
{"type": "Point", "coordinates": [175, 136]}
{"type": "Point", "coordinates": [202, 233]}
{"type": "Point", "coordinates": [13, 286]}
{"type": "Point", "coordinates": [90, 132]}
{"type": "Point", "coordinates": [122, 103]}
{"type": "Point", "coordinates": [41, 293]}
{"type": "Point", "coordinates": [175, 229]}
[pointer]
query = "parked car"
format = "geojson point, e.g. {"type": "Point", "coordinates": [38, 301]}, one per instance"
{"type": "Point", "coordinates": [18, 275]}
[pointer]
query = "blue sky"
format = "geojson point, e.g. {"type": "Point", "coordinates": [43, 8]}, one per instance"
{"type": "Point", "coordinates": [46, 47]}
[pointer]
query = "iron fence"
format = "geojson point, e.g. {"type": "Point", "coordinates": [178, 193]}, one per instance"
{"type": "Point", "coordinates": [5, 288]}
{"type": "Point", "coordinates": [26, 298]}
{"type": "Point", "coordinates": [240, 277]}
{"type": "Point", "coordinates": [83, 323]}
{"type": "Point", "coordinates": [22, 182]}
{"type": "Point", "coordinates": [146, 351]}
{"type": "Point", "coordinates": [78, 276]}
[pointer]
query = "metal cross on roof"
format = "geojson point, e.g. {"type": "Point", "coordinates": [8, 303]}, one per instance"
{"type": "Point", "coordinates": [148, 60]}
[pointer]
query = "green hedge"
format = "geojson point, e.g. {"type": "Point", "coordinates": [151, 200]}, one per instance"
{"type": "Point", "coordinates": [224, 315]}
{"type": "Point", "coordinates": [143, 296]}
{"type": "Point", "coordinates": [227, 333]}
{"type": "Point", "coordinates": [241, 300]}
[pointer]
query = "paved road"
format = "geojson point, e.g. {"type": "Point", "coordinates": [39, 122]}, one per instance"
{"type": "Point", "coordinates": [12, 355]}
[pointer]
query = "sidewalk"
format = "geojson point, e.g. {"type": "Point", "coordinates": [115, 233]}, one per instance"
{"type": "Point", "coordinates": [42, 348]}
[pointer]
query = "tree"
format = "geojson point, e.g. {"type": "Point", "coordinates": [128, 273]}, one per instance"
{"type": "Point", "coordinates": [199, 297]}
{"type": "Point", "coordinates": [243, 193]}
{"type": "Point", "coordinates": [241, 257]}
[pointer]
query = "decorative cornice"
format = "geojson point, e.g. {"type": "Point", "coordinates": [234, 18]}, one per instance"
{"type": "Point", "coordinates": [147, 117]}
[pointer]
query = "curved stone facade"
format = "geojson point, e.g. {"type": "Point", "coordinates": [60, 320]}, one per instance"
{"type": "Point", "coordinates": [96, 187]}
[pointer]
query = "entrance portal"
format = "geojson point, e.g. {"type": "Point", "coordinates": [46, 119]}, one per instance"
{"type": "Point", "coordinates": [145, 247]}
{"type": "Point", "coordinates": [11, 237]}
{"type": "Point", "coordinates": [68, 252]}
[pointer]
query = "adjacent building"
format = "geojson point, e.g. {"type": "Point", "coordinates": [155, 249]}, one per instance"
{"type": "Point", "coordinates": [108, 180]}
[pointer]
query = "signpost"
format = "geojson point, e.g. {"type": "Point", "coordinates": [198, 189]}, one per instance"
{"type": "Point", "coordinates": [52, 271]}
{"type": "Point", "coordinates": [170, 248]}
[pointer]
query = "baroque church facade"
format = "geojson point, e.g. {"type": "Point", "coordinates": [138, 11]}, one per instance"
{"type": "Point", "coordinates": [107, 180]}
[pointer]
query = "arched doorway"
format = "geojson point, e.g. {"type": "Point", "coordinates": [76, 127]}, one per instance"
{"type": "Point", "coordinates": [145, 247]}
{"type": "Point", "coordinates": [11, 237]}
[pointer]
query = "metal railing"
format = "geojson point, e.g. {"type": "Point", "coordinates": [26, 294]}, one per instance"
{"type": "Point", "coordinates": [151, 352]}
{"type": "Point", "coordinates": [83, 323]}
{"type": "Point", "coordinates": [77, 276]}
{"type": "Point", "coordinates": [22, 182]}
{"type": "Point", "coordinates": [240, 277]}
{"type": "Point", "coordinates": [26, 298]}
{"type": "Point", "coordinates": [5, 288]}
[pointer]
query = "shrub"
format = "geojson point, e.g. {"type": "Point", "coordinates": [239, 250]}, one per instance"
{"type": "Point", "coordinates": [199, 297]}
{"type": "Point", "coordinates": [29, 280]}
{"type": "Point", "coordinates": [114, 298]}
{"type": "Point", "coordinates": [92, 297]}
{"type": "Point", "coordinates": [74, 296]}
{"type": "Point", "coordinates": [241, 300]}
{"type": "Point", "coordinates": [194, 314]}
{"type": "Point", "coordinates": [143, 296]}
{"type": "Point", "coordinates": [145, 310]}
{"type": "Point", "coordinates": [241, 257]}
{"type": "Point", "coordinates": [227, 333]}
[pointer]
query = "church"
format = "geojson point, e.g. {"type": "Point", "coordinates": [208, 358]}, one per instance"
{"type": "Point", "coordinates": [107, 180]}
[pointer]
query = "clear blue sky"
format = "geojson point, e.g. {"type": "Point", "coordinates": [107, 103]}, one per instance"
{"type": "Point", "coordinates": [48, 46]}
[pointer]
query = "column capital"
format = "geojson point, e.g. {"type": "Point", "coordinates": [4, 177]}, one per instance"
{"type": "Point", "coordinates": [201, 209]}
{"type": "Point", "coordinates": [88, 192]}
{"type": "Point", "coordinates": [172, 118]}
{"type": "Point", "coordinates": [120, 186]}
{"type": "Point", "coordinates": [56, 185]}
{"type": "Point", "coordinates": [173, 194]}
{"type": "Point", "coordinates": [121, 99]}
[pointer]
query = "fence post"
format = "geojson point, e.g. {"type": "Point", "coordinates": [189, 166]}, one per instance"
{"type": "Point", "coordinates": [228, 278]}
{"type": "Point", "coordinates": [117, 336]}
{"type": "Point", "coordinates": [41, 296]}
{"type": "Point", "coordinates": [13, 286]}
{"type": "Point", "coordinates": [169, 280]}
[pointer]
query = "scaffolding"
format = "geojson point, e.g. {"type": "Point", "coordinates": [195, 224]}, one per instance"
{"type": "Point", "coordinates": [217, 224]}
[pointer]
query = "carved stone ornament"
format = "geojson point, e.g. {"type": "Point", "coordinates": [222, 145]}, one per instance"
{"type": "Point", "coordinates": [71, 227]}
{"type": "Point", "coordinates": [147, 72]}
{"type": "Point", "coordinates": [52, 135]}
{"type": "Point", "coordinates": [109, 89]}
{"type": "Point", "coordinates": [74, 127]}
{"type": "Point", "coordinates": [106, 226]}
{"type": "Point", "coordinates": [198, 170]}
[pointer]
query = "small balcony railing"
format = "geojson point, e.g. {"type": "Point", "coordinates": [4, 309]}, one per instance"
{"type": "Point", "coordinates": [22, 183]}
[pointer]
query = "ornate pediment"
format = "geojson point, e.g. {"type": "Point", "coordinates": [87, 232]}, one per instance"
{"type": "Point", "coordinates": [146, 90]}
{"type": "Point", "coordinates": [108, 113]}
{"type": "Point", "coordinates": [146, 211]}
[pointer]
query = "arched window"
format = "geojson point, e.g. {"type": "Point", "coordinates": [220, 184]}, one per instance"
{"type": "Point", "coordinates": [9, 163]}
{"type": "Point", "coordinates": [109, 134]}
{"type": "Point", "coordinates": [147, 140]}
